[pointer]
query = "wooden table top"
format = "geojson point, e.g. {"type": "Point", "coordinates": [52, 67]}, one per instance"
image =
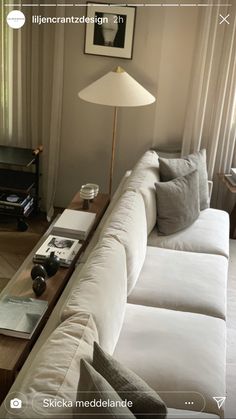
{"type": "Point", "coordinates": [16, 156]}
{"type": "Point", "coordinates": [226, 181]}
{"type": "Point", "coordinates": [13, 351]}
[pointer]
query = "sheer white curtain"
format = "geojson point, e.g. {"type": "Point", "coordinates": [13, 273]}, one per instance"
{"type": "Point", "coordinates": [36, 99]}
{"type": "Point", "coordinates": [5, 76]}
{"type": "Point", "coordinates": [210, 116]}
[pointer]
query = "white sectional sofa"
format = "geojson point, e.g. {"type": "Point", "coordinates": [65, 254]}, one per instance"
{"type": "Point", "coordinates": [157, 303]}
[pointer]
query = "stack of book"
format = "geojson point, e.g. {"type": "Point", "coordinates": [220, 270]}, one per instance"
{"type": "Point", "coordinates": [74, 224]}
{"type": "Point", "coordinates": [16, 204]}
{"type": "Point", "coordinates": [20, 316]}
{"type": "Point", "coordinates": [70, 227]}
{"type": "Point", "coordinates": [63, 247]}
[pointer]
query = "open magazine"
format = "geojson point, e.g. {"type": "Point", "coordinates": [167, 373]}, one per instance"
{"type": "Point", "coordinates": [19, 316]}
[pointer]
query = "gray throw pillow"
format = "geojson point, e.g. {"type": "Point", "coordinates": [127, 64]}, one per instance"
{"type": "Point", "coordinates": [146, 403]}
{"type": "Point", "coordinates": [173, 168]}
{"type": "Point", "coordinates": [96, 398]}
{"type": "Point", "coordinates": [177, 203]}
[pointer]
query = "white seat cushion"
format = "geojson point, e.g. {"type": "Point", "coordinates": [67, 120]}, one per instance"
{"type": "Point", "coordinates": [208, 234]}
{"type": "Point", "coordinates": [186, 281]}
{"type": "Point", "coordinates": [101, 289]}
{"type": "Point", "coordinates": [128, 225]}
{"type": "Point", "coordinates": [143, 178]}
{"type": "Point", "coordinates": [178, 354]}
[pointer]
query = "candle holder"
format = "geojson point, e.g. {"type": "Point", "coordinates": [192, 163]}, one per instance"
{"type": "Point", "coordinates": [87, 193]}
{"type": "Point", "coordinates": [85, 204]}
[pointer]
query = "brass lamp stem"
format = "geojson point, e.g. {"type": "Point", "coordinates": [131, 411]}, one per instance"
{"type": "Point", "coordinates": [113, 148]}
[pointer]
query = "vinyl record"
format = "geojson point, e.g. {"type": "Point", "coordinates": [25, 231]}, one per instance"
{"type": "Point", "coordinates": [13, 198]}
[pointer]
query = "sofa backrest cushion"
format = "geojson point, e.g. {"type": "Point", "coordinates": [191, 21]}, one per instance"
{"type": "Point", "coordinates": [55, 370]}
{"type": "Point", "coordinates": [127, 224]}
{"type": "Point", "coordinates": [143, 178]}
{"type": "Point", "coordinates": [101, 289]}
{"type": "Point", "coordinates": [95, 238]}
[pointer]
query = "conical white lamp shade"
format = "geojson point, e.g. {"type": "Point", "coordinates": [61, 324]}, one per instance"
{"type": "Point", "coordinates": [117, 88]}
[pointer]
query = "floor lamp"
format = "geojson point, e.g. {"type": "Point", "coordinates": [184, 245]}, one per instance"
{"type": "Point", "coordinates": [118, 89]}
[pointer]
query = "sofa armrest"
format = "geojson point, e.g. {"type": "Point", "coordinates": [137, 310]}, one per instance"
{"type": "Point", "coordinates": [210, 186]}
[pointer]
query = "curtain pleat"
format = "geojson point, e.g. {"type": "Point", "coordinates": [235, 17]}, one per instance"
{"type": "Point", "coordinates": [6, 40]}
{"type": "Point", "coordinates": [35, 91]}
{"type": "Point", "coordinates": [210, 119]}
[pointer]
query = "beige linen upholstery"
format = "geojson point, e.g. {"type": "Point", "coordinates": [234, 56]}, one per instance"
{"type": "Point", "coordinates": [208, 234]}
{"type": "Point", "coordinates": [108, 212]}
{"type": "Point", "coordinates": [185, 281]}
{"type": "Point", "coordinates": [143, 178]}
{"type": "Point", "coordinates": [175, 351]}
{"type": "Point", "coordinates": [127, 224]}
{"type": "Point", "coordinates": [55, 371]}
{"type": "Point", "coordinates": [101, 290]}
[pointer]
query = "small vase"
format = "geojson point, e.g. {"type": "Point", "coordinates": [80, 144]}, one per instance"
{"type": "Point", "coordinates": [85, 204]}
{"type": "Point", "coordinates": [52, 264]}
{"type": "Point", "coordinates": [39, 285]}
{"type": "Point", "coordinates": [38, 270]}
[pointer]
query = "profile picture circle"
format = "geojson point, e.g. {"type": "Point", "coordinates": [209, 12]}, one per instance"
{"type": "Point", "coordinates": [16, 19]}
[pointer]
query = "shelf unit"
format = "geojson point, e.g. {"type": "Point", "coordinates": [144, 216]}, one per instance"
{"type": "Point", "coordinates": [19, 173]}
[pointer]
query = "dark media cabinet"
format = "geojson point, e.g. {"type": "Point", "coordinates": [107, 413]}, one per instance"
{"type": "Point", "coordinates": [19, 175]}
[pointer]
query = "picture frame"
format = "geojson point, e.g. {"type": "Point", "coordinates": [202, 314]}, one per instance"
{"type": "Point", "coordinates": [110, 30]}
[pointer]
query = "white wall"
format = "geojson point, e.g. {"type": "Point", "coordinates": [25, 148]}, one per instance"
{"type": "Point", "coordinates": [162, 57]}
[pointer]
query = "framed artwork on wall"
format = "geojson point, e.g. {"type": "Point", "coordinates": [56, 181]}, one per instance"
{"type": "Point", "coordinates": [110, 30]}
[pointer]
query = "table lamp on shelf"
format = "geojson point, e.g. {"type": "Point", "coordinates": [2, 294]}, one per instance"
{"type": "Point", "coordinates": [118, 89]}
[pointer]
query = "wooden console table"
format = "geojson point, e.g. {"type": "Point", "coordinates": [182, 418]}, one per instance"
{"type": "Point", "coordinates": [14, 351]}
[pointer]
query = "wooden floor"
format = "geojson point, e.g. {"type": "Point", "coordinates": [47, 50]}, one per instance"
{"type": "Point", "coordinates": [16, 245]}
